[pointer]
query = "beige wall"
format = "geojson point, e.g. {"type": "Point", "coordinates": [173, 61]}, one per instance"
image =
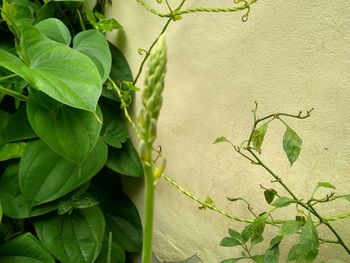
{"type": "Point", "coordinates": [290, 55]}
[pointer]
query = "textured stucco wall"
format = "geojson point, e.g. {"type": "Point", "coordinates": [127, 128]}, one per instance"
{"type": "Point", "coordinates": [290, 55]}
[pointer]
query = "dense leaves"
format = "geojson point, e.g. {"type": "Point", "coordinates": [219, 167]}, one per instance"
{"type": "Point", "coordinates": [54, 138]}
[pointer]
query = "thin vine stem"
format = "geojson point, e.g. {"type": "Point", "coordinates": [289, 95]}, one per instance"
{"type": "Point", "coordinates": [307, 206]}
{"type": "Point", "coordinates": [13, 93]}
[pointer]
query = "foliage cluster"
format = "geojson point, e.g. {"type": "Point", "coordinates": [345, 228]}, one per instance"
{"type": "Point", "coordinates": [63, 139]}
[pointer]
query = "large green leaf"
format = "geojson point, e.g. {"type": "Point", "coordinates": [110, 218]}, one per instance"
{"type": "Point", "coordinates": [122, 218]}
{"type": "Point", "coordinates": [75, 238]}
{"type": "Point", "coordinates": [114, 131]}
{"type": "Point", "coordinates": [307, 248]}
{"type": "Point", "coordinates": [13, 203]}
{"type": "Point", "coordinates": [11, 131]}
{"type": "Point", "coordinates": [93, 44]}
{"type": "Point", "coordinates": [290, 227]}
{"type": "Point", "coordinates": [110, 251]}
{"type": "Point", "coordinates": [55, 29]}
{"type": "Point", "coordinates": [45, 176]}
{"type": "Point", "coordinates": [70, 132]}
{"type": "Point", "coordinates": [125, 160]}
{"type": "Point", "coordinates": [292, 145]}
{"type": "Point", "coordinates": [63, 73]}
{"type": "Point", "coordinates": [120, 72]}
{"type": "Point", "coordinates": [24, 249]}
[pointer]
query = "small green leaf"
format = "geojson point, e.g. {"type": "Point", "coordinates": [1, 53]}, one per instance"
{"type": "Point", "coordinates": [24, 249]}
{"type": "Point", "coordinates": [272, 253]}
{"type": "Point", "coordinates": [11, 150]}
{"type": "Point", "coordinates": [258, 136]}
{"type": "Point", "coordinates": [290, 227]}
{"type": "Point", "coordinates": [229, 242]}
{"type": "Point", "coordinates": [269, 195]}
{"type": "Point", "coordinates": [325, 185]}
{"type": "Point", "coordinates": [234, 234]}
{"type": "Point", "coordinates": [246, 233]}
{"type": "Point", "coordinates": [307, 249]}
{"type": "Point", "coordinates": [257, 228]}
{"type": "Point", "coordinates": [291, 145]}
{"type": "Point", "coordinates": [125, 160]}
{"type": "Point", "coordinates": [258, 258]}
{"type": "Point", "coordinates": [221, 139]}
{"type": "Point", "coordinates": [75, 238]}
{"type": "Point", "coordinates": [283, 201]}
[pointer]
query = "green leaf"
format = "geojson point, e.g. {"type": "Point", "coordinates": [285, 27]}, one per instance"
{"type": "Point", "coordinates": [24, 249]}
{"type": "Point", "coordinates": [110, 252]}
{"type": "Point", "coordinates": [1, 213]}
{"type": "Point", "coordinates": [246, 233]}
{"type": "Point", "coordinates": [61, 72]}
{"type": "Point", "coordinates": [325, 185]}
{"type": "Point", "coordinates": [234, 234]}
{"type": "Point", "coordinates": [11, 150]}
{"type": "Point", "coordinates": [257, 228]}
{"type": "Point", "coordinates": [229, 242]}
{"type": "Point", "coordinates": [291, 145]}
{"type": "Point", "coordinates": [122, 217]}
{"type": "Point", "coordinates": [120, 72]}
{"type": "Point", "coordinates": [55, 29]}
{"type": "Point", "coordinates": [94, 44]}
{"type": "Point", "coordinates": [307, 248]}
{"type": "Point", "coordinates": [346, 197]}
{"type": "Point", "coordinates": [269, 195]}
{"type": "Point", "coordinates": [272, 254]}
{"type": "Point", "coordinates": [290, 227]}
{"type": "Point", "coordinates": [221, 139]}
{"type": "Point", "coordinates": [45, 176]}
{"type": "Point", "coordinates": [258, 136]}
{"type": "Point", "coordinates": [19, 119]}
{"type": "Point", "coordinates": [75, 238]}
{"type": "Point", "coordinates": [125, 161]}
{"type": "Point", "coordinates": [13, 203]}
{"type": "Point", "coordinates": [70, 132]}
{"type": "Point", "coordinates": [283, 201]}
{"type": "Point", "coordinates": [114, 131]}
{"type": "Point", "coordinates": [258, 258]}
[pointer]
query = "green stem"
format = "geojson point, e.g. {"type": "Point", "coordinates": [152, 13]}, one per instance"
{"type": "Point", "coordinates": [150, 49]}
{"type": "Point", "coordinates": [8, 77]}
{"type": "Point", "coordinates": [13, 93]}
{"type": "Point", "coordinates": [148, 216]}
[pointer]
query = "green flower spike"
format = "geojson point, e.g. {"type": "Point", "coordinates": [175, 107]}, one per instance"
{"type": "Point", "coordinates": [147, 118]}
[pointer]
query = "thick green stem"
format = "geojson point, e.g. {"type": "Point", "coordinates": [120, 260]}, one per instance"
{"type": "Point", "coordinates": [148, 216]}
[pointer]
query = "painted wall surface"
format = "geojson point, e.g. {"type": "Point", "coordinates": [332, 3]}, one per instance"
{"type": "Point", "coordinates": [289, 56]}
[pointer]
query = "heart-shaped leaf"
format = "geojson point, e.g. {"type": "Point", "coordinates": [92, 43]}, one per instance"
{"type": "Point", "coordinates": [45, 176]}
{"type": "Point", "coordinates": [93, 44]}
{"type": "Point", "coordinates": [70, 132]}
{"type": "Point", "coordinates": [55, 29]}
{"type": "Point", "coordinates": [75, 238]}
{"type": "Point", "coordinates": [24, 249]}
{"type": "Point", "coordinates": [114, 131]}
{"type": "Point", "coordinates": [63, 73]}
{"type": "Point", "coordinates": [125, 160]}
